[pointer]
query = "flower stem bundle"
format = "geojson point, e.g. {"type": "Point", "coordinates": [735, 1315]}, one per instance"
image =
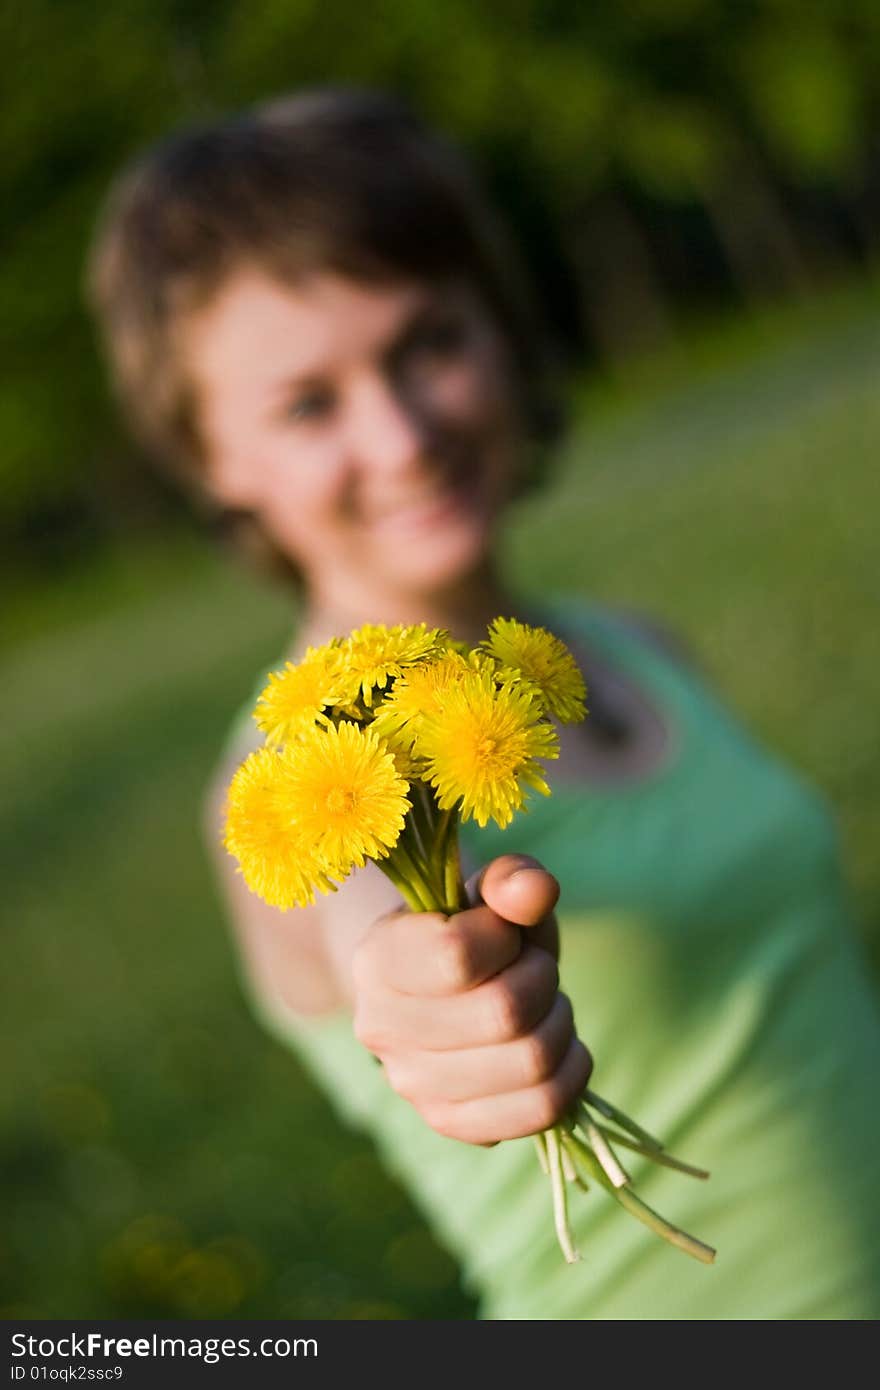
{"type": "Point", "coordinates": [376, 746]}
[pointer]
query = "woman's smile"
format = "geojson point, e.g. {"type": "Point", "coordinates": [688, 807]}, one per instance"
{"type": "Point", "coordinates": [431, 504]}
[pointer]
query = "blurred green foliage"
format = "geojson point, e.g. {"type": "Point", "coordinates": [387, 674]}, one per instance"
{"type": "Point", "coordinates": [652, 154]}
{"type": "Point", "coordinates": [160, 1156]}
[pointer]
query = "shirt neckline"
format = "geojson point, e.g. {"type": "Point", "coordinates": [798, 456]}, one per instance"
{"type": "Point", "coordinates": [562, 616]}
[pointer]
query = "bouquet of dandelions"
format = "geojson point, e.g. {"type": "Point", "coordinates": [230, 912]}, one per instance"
{"type": "Point", "coordinates": [377, 745]}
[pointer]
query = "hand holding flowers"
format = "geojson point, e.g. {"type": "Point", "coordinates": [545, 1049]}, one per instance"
{"type": "Point", "coordinates": [465, 1012]}
{"type": "Point", "coordinates": [376, 746]}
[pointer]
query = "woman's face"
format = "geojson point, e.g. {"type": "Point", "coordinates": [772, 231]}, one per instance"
{"type": "Point", "coordinates": [373, 430]}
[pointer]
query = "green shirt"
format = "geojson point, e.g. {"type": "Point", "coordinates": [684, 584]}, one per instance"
{"type": "Point", "coordinates": [708, 951]}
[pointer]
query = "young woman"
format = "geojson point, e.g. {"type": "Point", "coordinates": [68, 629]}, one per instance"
{"type": "Point", "coordinates": [315, 319]}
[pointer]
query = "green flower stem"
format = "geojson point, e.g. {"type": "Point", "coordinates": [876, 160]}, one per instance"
{"type": "Point", "coordinates": [441, 869]}
{"type": "Point", "coordinates": [419, 826]}
{"type": "Point", "coordinates": [650, 1218]}
{"type": "Point", "coordinates": [656, 1156]}
{"type": "Point", "coordinates": [418, 893]}
{"type": "Point", "coordinates": [560, 1197]}
{"type": "Point", "coordinates": [438, 851]}
{"type": "Point", "coordinates": [614, 1171]}
{"type": "Point", "coordinates": [583, 1156]}
{"type": "Point", "coordinates": [456, 894]}
{"type": "Point", "coordinates": [418, 841]}
{"type": "Point", "coordinates": [428, 883]}
{"type": "Point", "coordinates": [428, 818]}
{"type": "Point", "coordinates": [611, 1112]}
{"type": "Point", "coordinates": [569, 1171]}
{"type": "Point", "coordinates": [440, 866]}
{"type": "Point", "coordinates": [445, 824]}
{"type": "Point", "coordinates": [412, 897]}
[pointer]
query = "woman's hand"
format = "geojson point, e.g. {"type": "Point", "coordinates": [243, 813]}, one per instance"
{"type": "Point", "coordinates": [465, 1012]}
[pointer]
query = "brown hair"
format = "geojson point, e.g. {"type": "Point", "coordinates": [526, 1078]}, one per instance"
{"type": "Point", "coordinates": [333, 178]}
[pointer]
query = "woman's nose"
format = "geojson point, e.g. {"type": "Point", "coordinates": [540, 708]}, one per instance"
{"type": "Point", "coordinates": [389, 431]}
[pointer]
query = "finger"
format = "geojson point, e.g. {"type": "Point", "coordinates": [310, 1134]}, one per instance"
{"type": "Point", "coordinates": [491, 1119]}
{"type": "Point", "coordinates": [427, 954]}
{"type": "Point", "coordinates": [505, 1007]}
{"type": "Point", "coordinates": [498, 1069]}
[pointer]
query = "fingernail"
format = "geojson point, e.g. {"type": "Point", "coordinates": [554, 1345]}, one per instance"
{"type": "Point", "coordinates": [528, 869]}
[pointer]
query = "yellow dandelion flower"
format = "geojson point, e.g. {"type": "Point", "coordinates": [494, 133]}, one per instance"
{"type": "Point", "coordinates": [262, 834]}
{"type": "Point", "coordinates": [373, 654]}
{"type": "Point", "coordinates": [480, 749]}
{"type": "Point", "coordinates": [407, 766]}
{"type": "Point", "coordinates": [545, 662]}
{"type": "Point", "coordinates": [417, 693]}
{"type": "Point", "coordinates": [348, 798]}
{"type": "Point", "coordinates": [294, 699]}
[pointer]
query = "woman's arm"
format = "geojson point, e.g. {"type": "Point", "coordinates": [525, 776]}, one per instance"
{"type": "Point", "coordinates": [300, 960]}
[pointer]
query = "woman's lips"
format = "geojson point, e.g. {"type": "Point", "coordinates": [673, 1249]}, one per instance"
{"type": "Point", "coordinates": [427, 510]}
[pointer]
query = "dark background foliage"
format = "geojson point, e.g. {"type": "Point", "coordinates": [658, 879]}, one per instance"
{"type": "Point", "coordinates": [659, 158]}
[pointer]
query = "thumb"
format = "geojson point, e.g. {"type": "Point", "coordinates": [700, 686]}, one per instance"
{"type": "Point", "coordinates": [519, 889]}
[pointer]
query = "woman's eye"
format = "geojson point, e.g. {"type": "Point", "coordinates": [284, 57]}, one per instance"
{"type": "Point", "coordinates": [441, 339]}
{"type": "Point", "coordinates": [309, 407]}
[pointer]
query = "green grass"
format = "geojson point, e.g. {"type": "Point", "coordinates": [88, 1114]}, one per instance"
{"type": "Point", "coordinates": [160, 1156]}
